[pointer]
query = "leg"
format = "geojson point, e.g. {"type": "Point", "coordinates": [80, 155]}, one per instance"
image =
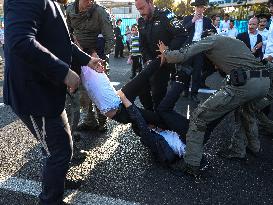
{"type": "Point", "coordinates": [139, 84]}
{"type": "Point", "coordinates": [159, 83]}
{"type": "Point", "coordinates": [172, 119]}
{"type": "Point", "coordinates": [57, 145]}
{"type": "Point", "coordinates": [89, 120]}
{"type": "Point", "coordinates": [134, 66]}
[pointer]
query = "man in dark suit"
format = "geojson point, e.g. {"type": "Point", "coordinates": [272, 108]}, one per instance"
{"type": "Point", "coordinates": [119, 44]}
{"type": "Point", "coordinates": [252, 38]}
{"type": "Point", "coordinates": [39, 53]}
{"type": "Point", "coordinates": [196, 24]}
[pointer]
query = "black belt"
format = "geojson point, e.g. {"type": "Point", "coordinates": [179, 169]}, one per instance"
{"type": "Point", "coordinates": [258, 73]}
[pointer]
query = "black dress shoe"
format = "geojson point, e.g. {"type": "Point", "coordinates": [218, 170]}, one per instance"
{"type": "Point", "coordinates": [186, 168]}
{"type": "Point", "coordinates": [71, 184]}
{"type": "Point", "coordinates": [195, 99]}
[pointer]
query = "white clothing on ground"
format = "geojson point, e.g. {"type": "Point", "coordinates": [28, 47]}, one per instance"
{"type": "Point", "coordinates": [100, 90]}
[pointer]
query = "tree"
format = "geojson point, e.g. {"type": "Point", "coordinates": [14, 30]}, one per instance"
{"type": "Point", "coordinates": [180, 9]}
{"type": "Point", "coordinates": [164, 4]}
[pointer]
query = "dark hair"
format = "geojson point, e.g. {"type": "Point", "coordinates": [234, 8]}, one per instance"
{"type": "Point", "coordinates": [231, 21]}
{"type": "Point", "coordinates": [226, 15]}
{"type": "Point", "coordinates": [214, 16]}
{"type": "Point", "coordinates": [119, 20]}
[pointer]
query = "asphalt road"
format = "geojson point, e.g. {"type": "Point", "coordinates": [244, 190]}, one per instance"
{"type": "Point", "coordinates": [119, 170]}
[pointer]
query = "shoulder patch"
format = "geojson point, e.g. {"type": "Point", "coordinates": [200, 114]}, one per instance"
{"type": "Point", "coordinates": [169, 14]}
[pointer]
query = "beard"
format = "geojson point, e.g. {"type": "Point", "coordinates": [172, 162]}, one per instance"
{"type": "Point", "coordinates": [62, 1]}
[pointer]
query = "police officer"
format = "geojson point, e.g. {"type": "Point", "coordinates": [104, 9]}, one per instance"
{"type": "Point", "coordinates": [88, 22]}
{"type": "Point", "coordinates": [249, 82]}
{"type": "Point", "coordinates": [154, 25]}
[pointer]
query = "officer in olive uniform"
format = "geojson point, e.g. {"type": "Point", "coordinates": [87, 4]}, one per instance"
{"type": "Point", "coordinates": [87, 21]}
{"type": "Point", "coordinates": [154, 25]}
{"type": "Point", "coordinates": [248, 83]}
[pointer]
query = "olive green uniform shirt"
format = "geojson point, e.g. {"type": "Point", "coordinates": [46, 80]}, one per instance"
{"type": "Point", "coordinates": [87, 25]}
{"type": "Point", "coordinates": [226, 53]}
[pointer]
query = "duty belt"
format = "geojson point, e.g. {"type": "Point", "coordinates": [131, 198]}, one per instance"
{"type": "Point", "coordinates": [257, 73]}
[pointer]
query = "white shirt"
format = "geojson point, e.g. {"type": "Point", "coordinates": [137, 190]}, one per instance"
{"type": "Point", "coordinates": [100, 90]}
{"type": "Point", "coordinates": [253, 39]}
{"type": "Point", "coordinates": [224, 25]}
{"type": "Point", "coordinates": [264, 34]}
{"type": "Point", "coordinates": [269, 45]}
{"type": "Point", "coordinates": [198, 30]}
{"type": "Point", "coordinates": [2, 36]}
{"type": "Point", "coordinates": [173, 141]}
{"type": "Point", "coordinates": [232, 32]}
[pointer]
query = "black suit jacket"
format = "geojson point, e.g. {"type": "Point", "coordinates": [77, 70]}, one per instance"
{"type": "Point", "coordinates": [190, 27]}
{"type": "Point", "coordinates": [245, 38]}
{"type": "Point", "coordinates": [38, 53]}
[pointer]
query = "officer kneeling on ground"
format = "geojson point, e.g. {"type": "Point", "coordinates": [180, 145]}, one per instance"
{"type": "Point", "coordinates": [249, 82]}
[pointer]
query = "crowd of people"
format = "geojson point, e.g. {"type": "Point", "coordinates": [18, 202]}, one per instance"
{"type": "Point", "coordinates": [53, 74]}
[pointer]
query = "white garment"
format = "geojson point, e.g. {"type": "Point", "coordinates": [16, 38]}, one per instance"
{"type": "Point", "coordinates": [99, 89]}
{"type": "Point", "coordinates": [252, 39]}
{"type": "Point", "coordinates": [264, 34]}
{"type": "Point", "coordinates": [174, 142]}
{"type": "Point", "coordinates": [232, 32]}
{"type": "Point", "coordinates": [269, 45]}
{"type": "Point", "coordinates": [198, 30]}
{"type": "Point", "coordinates": [224, 25]}
{"type": "Point", "coordinates": [2, 36]}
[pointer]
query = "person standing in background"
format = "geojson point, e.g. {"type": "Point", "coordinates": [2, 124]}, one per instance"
{"type": "Point", "coordinates": [252, 38]}
{"type": "Point", "coordinates": [196, 25]}
{"type": "Point", "coordinates": [136, 56]}
{"type": "Point", "coordinates": [119, 38]}
{"type": "Point", "coordinates": [154, 25]}
{"type": "Point", "coordinates": [128, 35]}
{"type": "Point", "coordinates": [86, 20]}
{"type": "Point", "coordinates": [262, 30]}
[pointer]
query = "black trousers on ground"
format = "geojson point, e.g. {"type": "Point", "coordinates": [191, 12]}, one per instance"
{"type": "Point", "coordinates": [57, 148]}
{"type": "Point", "coordinates": [165, 117]}
{"type": "Point", "coordinates": [156, 89]}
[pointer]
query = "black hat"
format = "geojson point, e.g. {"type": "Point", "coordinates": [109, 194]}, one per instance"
{"type": "Point", "coordinates": [199, 3]}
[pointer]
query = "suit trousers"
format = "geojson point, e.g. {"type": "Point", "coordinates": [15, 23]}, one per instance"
{"type": "Point", "coordinates": [197, 63]}
{"type": "Point", "coordinates": [155, 91]}
{"type": "Point", "coordinates": [55, 137]}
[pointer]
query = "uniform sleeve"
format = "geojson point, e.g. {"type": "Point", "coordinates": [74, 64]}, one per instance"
{"type": "Point", "coordinates": [182, 55]}
{"type": "Point", "coordinates": [143, 44]}
{"type": "Point", "coordinates": [106, 30]}
{"type": "Point", "coordinates": [68, 19]}
{"type": "Point", "coordinates": [177, 30]}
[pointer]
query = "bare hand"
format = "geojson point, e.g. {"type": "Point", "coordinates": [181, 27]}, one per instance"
{"type": "Point", "coordinates": [96, 64]}
{"type": "Point", "coordinates": [196, 17]}
{"type": "Point", "coordinates": [259, 45]}
{"type": "Point", "coordinates": [162, 59]}
{"type": "Point", "coordinates": [161, 47]}
{"type": "Point", "coordinates": [72, 81]}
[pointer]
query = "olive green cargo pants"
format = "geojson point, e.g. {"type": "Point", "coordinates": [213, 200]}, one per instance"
{"type": "Point", "coordinates": [229, 98]}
